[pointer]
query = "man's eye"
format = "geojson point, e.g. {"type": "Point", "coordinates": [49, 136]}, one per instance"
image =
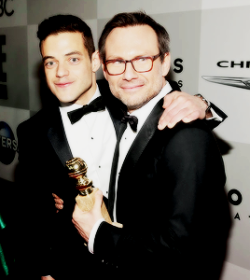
{"type": "Point", "coordinates": [74, 59]}
{"type": "Point", "coordinates": [142, 59]}
{"type": "Point", "coordinates": [49, 64]}
{"type": "Point", "coordinates": [117, 62]}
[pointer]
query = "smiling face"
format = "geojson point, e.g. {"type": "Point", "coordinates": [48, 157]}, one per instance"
{"type": "Point", "coordinates": [70, 73]}
{"type": "Point", "coordinates": [132, 88]}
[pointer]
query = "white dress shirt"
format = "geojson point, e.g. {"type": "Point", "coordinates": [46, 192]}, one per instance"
{"type": "Point", "coordinates": [93, 139]}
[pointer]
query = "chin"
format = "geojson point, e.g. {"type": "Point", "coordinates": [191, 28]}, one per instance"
{"type": "Point", "coordinates": [65, 99]}
{"type": "Point", "coordinates": [136, 103]}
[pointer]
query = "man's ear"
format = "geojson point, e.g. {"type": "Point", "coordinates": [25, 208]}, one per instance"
{"type": "Point", "coordinates": [166, 64]}
{"type": "Point", "coordinates": [96, 63]}
{"type": "Point", "coordinates": [104, 72]}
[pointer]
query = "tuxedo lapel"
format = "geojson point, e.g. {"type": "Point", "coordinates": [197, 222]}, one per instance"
{"type": "Point", "coordinates": [142, 139]}
{"type": "Point", "coordinates": [136, 151]}
{"type": "Point", "coordinates": [115, 119]}
{"type": "Point", "coordinates": [114, 106]}
{"type": "Point", "coordinates": [57, 137]}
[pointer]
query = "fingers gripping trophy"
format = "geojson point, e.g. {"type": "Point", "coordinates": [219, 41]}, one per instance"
{"type": "Point", "coordinates": [77, 169]}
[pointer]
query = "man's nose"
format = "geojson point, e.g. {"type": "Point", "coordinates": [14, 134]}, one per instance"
{"type": "Point", "coordinates": [62, 70]}
{"type": "Point", "coordinates": [129, 73]}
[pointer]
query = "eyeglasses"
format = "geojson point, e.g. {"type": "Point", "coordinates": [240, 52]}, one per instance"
{"type": "Point", "coordinates": [140, 64]}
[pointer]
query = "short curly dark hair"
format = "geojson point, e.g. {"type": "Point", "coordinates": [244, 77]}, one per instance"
{"type": "Point", "coordinates": [66, 23]}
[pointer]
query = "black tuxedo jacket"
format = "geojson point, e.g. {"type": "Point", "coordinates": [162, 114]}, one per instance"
{"type": "Point", "coordinates": [172, 204]}
{"type": "Point", "coordinates": [47, 243]}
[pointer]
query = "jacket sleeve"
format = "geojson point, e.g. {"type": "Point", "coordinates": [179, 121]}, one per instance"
{"type": "Point", "coordinates": [32, 220]}
{"type": "Point", "coordinates": [212, 123]}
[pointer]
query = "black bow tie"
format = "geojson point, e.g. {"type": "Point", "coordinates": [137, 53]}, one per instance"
{"type": "Point", "coordinates": [94, 106]}
{"type": "Point", "coordinates": [132, 120]}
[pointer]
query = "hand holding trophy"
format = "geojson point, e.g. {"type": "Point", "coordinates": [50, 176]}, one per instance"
{"type": "Point", "coordinates": [77, 169]}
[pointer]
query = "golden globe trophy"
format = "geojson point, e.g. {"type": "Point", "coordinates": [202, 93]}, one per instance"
{"type": "Point", "coordinates": [77, 169]}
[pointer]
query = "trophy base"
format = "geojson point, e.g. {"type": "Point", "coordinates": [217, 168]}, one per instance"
{"type": "Point", "coordinates": [86, 203]}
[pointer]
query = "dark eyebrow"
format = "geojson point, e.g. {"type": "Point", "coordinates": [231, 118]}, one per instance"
{"type": "Point", "coordinates": [74, 52]}
{"type": "Point", "coordinates": [47, 57]}
{"type": "Point", "coordinates": [120, 58]}
{"type": "Point", "coordinates": [116, 58]}
{"type": "Point", "coordinates": [67, 54]}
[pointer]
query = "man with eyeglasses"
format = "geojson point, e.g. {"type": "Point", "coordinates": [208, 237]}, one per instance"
{"type": "Point", "coordinates": [166, 187]}
{"type": "Point", "coordinates": [141, 64]}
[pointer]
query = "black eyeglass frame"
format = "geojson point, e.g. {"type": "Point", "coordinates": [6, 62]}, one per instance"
{"type": "Point", "coordinates": [153, 58]}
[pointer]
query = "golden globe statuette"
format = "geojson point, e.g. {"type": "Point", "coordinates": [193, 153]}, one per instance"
{"type": "Point", "coordinates": [77, 169]}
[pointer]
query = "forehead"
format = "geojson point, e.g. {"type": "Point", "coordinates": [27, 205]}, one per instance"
{"type": "Point", "coordinates": [64, 42]}
{"type": "Point", "coordinates": [128, 42]}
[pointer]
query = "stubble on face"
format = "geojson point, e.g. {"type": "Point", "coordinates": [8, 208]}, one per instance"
{"type": "Point", "coordinates": [136, 100]}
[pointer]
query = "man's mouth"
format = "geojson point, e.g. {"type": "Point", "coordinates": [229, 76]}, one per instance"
{"type": "Point", "coordinates": [63, 85]}
{"type": "Point", "coordinates": [131, 87]}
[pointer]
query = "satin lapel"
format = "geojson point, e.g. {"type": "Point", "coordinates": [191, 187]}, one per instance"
{"type": "Point", "coordinates": [113, 105]}
{"type": "Point", "coordinates": [142, 139]}
{"type": "Point", "coordinates": [57, 138]}
{"type": "Point", "coordinates": [116, 120]}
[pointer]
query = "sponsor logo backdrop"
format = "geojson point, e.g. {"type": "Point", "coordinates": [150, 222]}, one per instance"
{"type": "Point", "coordinates": [208, 38]}
{"type": "Point", "coordinates": [224, 52]}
